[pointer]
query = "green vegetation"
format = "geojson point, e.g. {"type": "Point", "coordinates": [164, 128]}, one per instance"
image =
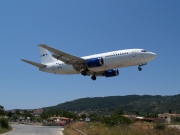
{"type": "Point", "coordinates": [160, 126]}
{"type": "Point", "coordinates": [105, 113]}
{"type": "Point", "coordinates": [4, 126]}
{"type": "Point", "coordinates": [134, 104]}
{"type": "Point", "coordinates": [2, 112]}
{"type": "Point", "coordinates": [177, 119]}
{"type": "Point", "coordinates": [59, 112]}
{"type": "Point", "coordinates": [115, 120]}
{"type": "Point", "coordinates": [4, 123]}
{"type": "Point", "coordinates": [97, 128]}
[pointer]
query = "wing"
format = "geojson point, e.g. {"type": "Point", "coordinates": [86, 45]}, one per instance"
{"type": "Point", "coordinates": [77, 62]}
{"type": "Point", "coordinates": [34, 63]}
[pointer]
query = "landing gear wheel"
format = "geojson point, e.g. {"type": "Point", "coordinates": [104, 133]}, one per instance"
{"type": "Point", "coordinates": [139, 68]}
{"type": "Point", "coordinates": [93, 77]}
{"type": "Point", "coordinates": [84, 73]}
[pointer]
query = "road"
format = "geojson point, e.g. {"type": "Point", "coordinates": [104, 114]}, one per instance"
{"type": "Point", "coordinates": [34, 130]}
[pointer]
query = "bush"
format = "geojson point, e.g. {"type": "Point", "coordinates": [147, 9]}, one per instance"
{"type": "Point", "coordinates": [159, 126]}
{"type": "Point", "coordinates": [114, 120]}
{"type": "Point", "coordinates": [177, 119]}
{"type": "Point", "coordinates": [4, 123]}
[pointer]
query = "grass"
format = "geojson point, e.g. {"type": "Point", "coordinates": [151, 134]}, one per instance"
{"type": "Point", "coordinates": [96, 128]}
{"type": "Point", "coordinates": [4, 130]}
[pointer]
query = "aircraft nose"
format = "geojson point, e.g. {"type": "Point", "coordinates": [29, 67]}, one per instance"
{"type": "Point", "coordinates": [153, 55]}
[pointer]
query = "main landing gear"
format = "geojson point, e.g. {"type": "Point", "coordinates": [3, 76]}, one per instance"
{"type": "Point", "coordinates": [93, 77]}
{"type": "Point", "coordinates": [84, 73]}
{"type": "Point", "coordinates": [139, 68]}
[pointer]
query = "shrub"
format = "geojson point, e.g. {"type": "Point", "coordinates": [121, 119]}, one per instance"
{"type": "Point", "coordinates": [159, 126]}
{"type": "Point", "coordinates": [177, 119]}
{"type": "Point", "coordinates": [114, 120]}
{"type": "Point", "coordinates": [4, 123]}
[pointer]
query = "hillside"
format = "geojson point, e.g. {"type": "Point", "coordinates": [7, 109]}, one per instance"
{"type": "Point", "coordinates": [130, 104]}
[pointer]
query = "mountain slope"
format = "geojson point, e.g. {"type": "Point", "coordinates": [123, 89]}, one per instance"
{"type": "Point", "coordinates": [131, 103]}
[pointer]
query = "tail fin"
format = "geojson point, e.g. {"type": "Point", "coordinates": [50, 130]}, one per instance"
{"type": "Point", "coordinates": [46, 57]}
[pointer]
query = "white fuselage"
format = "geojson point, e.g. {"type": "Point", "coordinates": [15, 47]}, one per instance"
{"type": "Point", "coordinates": [112, 60]}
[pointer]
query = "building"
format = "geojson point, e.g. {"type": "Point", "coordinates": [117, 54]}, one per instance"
{"type": "Point", "coordinates": [168, 116]}
{"type": "Point", "coordinates": [38, 112]}
{"type": "Point", "coordinates": [61, 119]}
{"type": "Point", "coordinates": [150, 119]}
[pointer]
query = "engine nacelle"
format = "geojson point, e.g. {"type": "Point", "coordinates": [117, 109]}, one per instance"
{"type": "Point", "coordinates": [95, 62]}
{"type": "Point", "coordinates": [112, 72]}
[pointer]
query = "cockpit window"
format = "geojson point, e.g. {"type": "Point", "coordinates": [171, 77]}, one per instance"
{"type": "Point", "coordinates": [143, 51]}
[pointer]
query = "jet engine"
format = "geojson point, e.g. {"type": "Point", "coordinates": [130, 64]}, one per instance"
{"type": "Point", "coordinates": [112, 72]}
{"type": "Point", "coordinates": [95, 62]}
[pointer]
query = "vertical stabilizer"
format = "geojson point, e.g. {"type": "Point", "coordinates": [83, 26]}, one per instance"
{"type": "Point", "coordinates": [46, 57]}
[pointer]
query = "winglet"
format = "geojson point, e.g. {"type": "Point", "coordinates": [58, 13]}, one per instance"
{"type": "Point", "coordinates": [34, 63]}
{"type": "Point", "coordinates": [42, 45]}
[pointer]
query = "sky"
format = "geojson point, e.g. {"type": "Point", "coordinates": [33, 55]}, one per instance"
{"type": "Point", "coordinates": [81, 28]}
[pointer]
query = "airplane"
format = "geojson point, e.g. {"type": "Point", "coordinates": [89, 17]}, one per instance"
{"type": "Point", "coordinates": [104, 64]}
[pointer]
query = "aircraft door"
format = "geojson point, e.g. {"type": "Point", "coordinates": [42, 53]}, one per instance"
{"type": "Point", "coordinates": [133, 59]}
{"type": "Point", "coordinates": [133, 54]}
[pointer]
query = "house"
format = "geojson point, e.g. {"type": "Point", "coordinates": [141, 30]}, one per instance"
{"type": "Point", "coordinates": [38, 112]}
{"type": "Point", "coordinates": [168, 116]}
{"type": "Point", "coordinates": [150, 119]}
{"type": "Point", "coordinates": [63, 120]}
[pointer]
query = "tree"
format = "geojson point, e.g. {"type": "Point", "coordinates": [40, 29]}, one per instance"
{"type": "Point", "coordinates": [115, 120]}
{"type": "Point", "coordinates": [2, 112]}
{"type": "Point", "coordinates": [119, 111]}
{"type": "Point", "coordinates": [44, 116]}
{"type": "Point", "coordinates": [176, 119]}
{"type": "Point", "coordinates": [170, 111]}
{"type": "Point", "coordinates": [147, 114]}
{"type": "Point", "coordinates": [83, 116]}
{"type": "Point", "coordinates": [57, 113]}
{"type": "Point", "coordinates": [93, 117]}
{"type": "Point", "coordinates": [18, 112]}
{"type": "Point", "coordinates": [1, 107]}
{"type": "Point", "coordinates": [9, 114]}
{"type": "Point", "coordinates": [14, 117]}
{"type": "Point", "coordinates": [27, 114]}
{"type": "Point", "coordinates": [4, 123]}
{"type": "Point", "coordinates": [38, 119]}
{"type": "Point", "coordinates": [68, 114]}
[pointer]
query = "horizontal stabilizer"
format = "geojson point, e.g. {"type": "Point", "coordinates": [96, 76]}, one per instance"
{"type": "Point", "coordinates": [34, 63]}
